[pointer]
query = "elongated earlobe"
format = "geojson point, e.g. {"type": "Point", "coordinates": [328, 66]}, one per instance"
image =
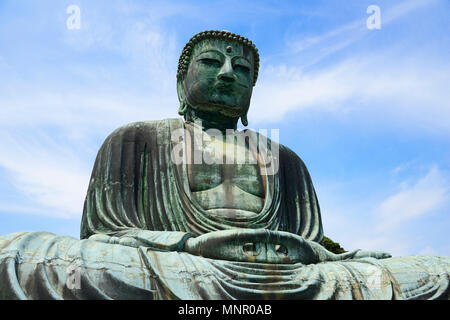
{"type": "Point", "coordinates": [183, 108]}
{"type": "Point", "coordinates": [244, 120]}
{"type": "Point", "coordinates": [183, 104]}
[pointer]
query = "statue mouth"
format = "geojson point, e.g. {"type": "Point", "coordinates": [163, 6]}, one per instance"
{"type": "Point", "coordinates": [224, 87]}
{"type": "Point", "coordinates": [229, 86]}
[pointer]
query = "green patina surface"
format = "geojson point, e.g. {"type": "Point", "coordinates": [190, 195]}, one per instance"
{"type": "Point", "coordinates": [155, 227]}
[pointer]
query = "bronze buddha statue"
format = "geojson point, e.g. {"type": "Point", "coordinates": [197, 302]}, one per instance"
{"type": "Point", "coordinates": [171, 212]}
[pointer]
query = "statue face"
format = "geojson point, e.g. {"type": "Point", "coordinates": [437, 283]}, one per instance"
{"type": "Point", "coordinates": [220, 77]}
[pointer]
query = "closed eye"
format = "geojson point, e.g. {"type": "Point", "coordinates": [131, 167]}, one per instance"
{"type": "Point", "coordinates": [242, 68]}
{"type": "Point", "coordinates": [210, 62]}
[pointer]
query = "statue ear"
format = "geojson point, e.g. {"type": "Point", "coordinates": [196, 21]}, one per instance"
{"type": "Point", "coordinates": [182, 98]}
{"type": "Point", "coordinates": [244, 120]}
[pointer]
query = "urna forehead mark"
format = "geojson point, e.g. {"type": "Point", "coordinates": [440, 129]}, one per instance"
{"type": "Point", "coordinates": [228, 48]}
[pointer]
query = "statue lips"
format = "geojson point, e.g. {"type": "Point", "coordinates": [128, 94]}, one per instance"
{"type": "Point", "coordinates": [224, 91]}
{"type": "Point", "coordinates": [231, 87]}
{"type": "Point", "coordinates": [224, 87]}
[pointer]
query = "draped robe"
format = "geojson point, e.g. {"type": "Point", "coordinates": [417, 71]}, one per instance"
{"type": "Point", "coordinates": [137, 191]}
{"type": "Point", "coordinates": [135, 184]}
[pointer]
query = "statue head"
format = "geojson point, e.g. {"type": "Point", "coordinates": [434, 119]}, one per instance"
{"type": "Point", "coordinates": [216, 74]}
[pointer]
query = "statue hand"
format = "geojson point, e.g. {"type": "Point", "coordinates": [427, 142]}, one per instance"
{"type": "Point", "coordinates": [358, 254]}
{"type": "Point", "coordinates": [372, 254]}
{"type": "Point", "coordinates": [323, 255]}
{"type": "Point", "coordinates": [252, 245]}
{"type": "Point", "coordinates": [125, 241]}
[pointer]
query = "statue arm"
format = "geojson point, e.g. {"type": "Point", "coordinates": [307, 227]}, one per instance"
{"type": "Point", "coordinates": [323, 255]}
{"type": "Point", "coordinates": [309, 226]}
{"type": "Point", "coordinates": [156, 240]}
{"type": "Point", "coordinates": [126, 202]}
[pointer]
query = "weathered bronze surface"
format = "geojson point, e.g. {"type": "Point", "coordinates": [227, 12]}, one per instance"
{"type": "Point", "coordinates": [154, 227]}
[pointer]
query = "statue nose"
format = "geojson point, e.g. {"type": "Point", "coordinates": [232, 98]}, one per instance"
{"type": "Point", "coordinates": [227, 73]}
{"type": "Point", "coordinates": [227, 77]}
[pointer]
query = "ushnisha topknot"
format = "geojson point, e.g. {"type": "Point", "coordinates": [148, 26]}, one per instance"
{"type": "Point", "coordinates": [185, 56]}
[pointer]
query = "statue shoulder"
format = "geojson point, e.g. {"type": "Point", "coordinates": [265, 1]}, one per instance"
{"type": "Point", "coordinates": [143, 130]}
{"type": "Point", "coordinates": [288, 153]}
{"type": "Point", "coordinates": [290, 157]}
{"type": "Point", "coordinates": [142, 126]}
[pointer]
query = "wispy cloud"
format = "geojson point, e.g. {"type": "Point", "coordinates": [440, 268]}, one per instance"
{"type": "Point", "coordinates": [345, 35]}
{"type": "Point", "coordinates": [404, 8]}
{"type": "Point", "coordinates": [404, 83]}
{"type": "Point", "coordinates": [387, 225]}
{"type": "Point", "coordinates": [414, 201]}
{"type": "Point", "coordinates": [47, 173]}
{"type": "Point", "coordinates": [80, 109]}
{"type": "Point", "coordinates": [51, 128]}
{"type": "Point", "coordinates": [136, 35]}
{"type": "Point", "coordinates": [413, 90]}
{"type": "Point", "coordinates": [428, 250]}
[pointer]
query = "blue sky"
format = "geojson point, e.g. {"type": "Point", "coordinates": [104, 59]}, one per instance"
{"type": "Point", "coordinates": [367, 110]}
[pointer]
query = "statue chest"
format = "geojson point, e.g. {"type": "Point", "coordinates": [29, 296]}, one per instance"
{"type": "Point", "coordinates": [224, 175]}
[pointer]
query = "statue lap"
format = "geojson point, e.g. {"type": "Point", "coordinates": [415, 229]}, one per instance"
{"type": "Point", "coordinates": [41, 265]}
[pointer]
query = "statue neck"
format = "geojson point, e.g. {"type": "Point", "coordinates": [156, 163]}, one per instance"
{"type": "Point", "coordinates": [210, 120]}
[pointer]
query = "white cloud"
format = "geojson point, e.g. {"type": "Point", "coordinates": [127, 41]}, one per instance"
{"type": "Point", "coordinates": [88, 94]}
{"type": "Point", "coordinates": [48, 174]}
{"type": "Point", "coordinates": [51, 173]}
{"type": "Point", "coordinates": [80, 109]}
{"type": "Point", "coordinates": [385, 87]}
{"type": "Point", "coordinates": [343, 36]}
{"type": "Point", "coordinates": [386, 225]}
{"type": "Point", "coordinates": [428, 250]}
{"type": "Point", "coordinates": [351, 224]}
{"type": "Point", "coordinates": [400, 85]}
{"type": "Point", "coordinates": [414, 201]}
{"type": "Point", "coordinates": [404, 8]}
